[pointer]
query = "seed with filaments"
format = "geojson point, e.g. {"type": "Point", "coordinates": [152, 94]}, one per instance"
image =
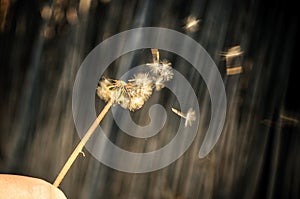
{"type": "Point", "coordinates": [189, 117]}
{"type": "Point", "coordinates": [233, 52]}
{"type": "Point", "coordinates": [191, 24]}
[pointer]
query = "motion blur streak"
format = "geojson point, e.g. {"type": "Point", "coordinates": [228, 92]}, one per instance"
{"type": "Point", "coordinates": [257, 155]}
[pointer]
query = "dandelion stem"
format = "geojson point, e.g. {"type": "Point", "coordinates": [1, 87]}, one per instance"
{"type": "Point", "coordinates": [81, 144]}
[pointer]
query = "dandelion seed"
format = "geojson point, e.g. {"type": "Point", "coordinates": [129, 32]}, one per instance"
{"type": "Point", "coordinates": [166, 71]}
{"type": "Point", "coordinates": [289, 119]}
{"type": "Point", "coordinates": [103, 90]}
{"type": "Point", "coordinates": [191, 24]}
{"type": "Point", "coordinates": [162, 69]}
{"type": "Point", "coordinates": [141, 85]}
{"type": "Point", "coordinates": [233, 60]}
{"type": "Point", "coordinates": [141, 79]}
{"type": "Point", "coordinates": [131, 95]}
{"type": "Point", "coordinates": [143, 92]}
{"type": "Point", "coordinates": [189, 117]}
{"type": "Point", "coordinates": [234, 70]}
{"type": "Point", "coordinates": [159, 83]}
{"type": "Point", "coordinates": [154, 67]}
{"type": "Point", "coordinates": [136, 103]}
{"type": "Point", "coordinates": [117, 90]}
{"type": "Point", "coordinates": [155, 55]}
{"type": "Point", "coordinates": [232, 52]}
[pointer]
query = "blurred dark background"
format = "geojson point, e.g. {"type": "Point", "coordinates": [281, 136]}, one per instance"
{"type": "Point", "coordinates": [43, 43]}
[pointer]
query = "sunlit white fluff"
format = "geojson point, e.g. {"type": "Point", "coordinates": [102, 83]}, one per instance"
{"type": "Point", "coordinates": [189, 117]}
{"type": "Point", "coordinates": [133, 94]}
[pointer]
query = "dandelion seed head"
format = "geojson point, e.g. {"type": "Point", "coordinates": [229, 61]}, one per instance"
{"type": "Point", "coordinates": [133, 94]}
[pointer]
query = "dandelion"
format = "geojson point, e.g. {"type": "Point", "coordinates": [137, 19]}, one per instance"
{"type": "Point", "coordinates": [189, 117]}
{"type": "Point", "coordinates": [130, 95]}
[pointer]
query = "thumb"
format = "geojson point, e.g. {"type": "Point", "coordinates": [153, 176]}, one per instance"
{"type": "Point", "coordinates": [17, 187]}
